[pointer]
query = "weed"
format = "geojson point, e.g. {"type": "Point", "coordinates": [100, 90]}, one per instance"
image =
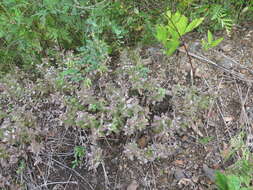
{"type": "Point", "coordinates": [205, 140]}
{"type": "Point", "coordinates": [21, 167]}
{"type": "Point", "coordinates": [233, 182]}
{"type": "Point", "coordinates": [210, 43]}
{"type": "Point", "coordinates": [79, 153]}
{"type": "Point", "coordinates": [239, 175]}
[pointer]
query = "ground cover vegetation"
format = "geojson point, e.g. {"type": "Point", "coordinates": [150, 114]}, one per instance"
{"type": "Point", "coordinates": [113, 94]}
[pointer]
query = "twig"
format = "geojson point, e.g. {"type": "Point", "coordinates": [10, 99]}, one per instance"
{"type": "Point", "coordinates": [57, 182]}
{"type": "Point", "coordinates": [203, 58]}
{"type": "Point", "coordinates": [74, 172]}
{"type": "Point", "coordinates": [234, 61]}
{"type": "Point", "coordinates": [185, 49]}
{"type": "Point", "coordinates": [107, 183]}
{"type": "Point", "coordinates": [243, 117]}
{"type": "Point", "coordinates": [68, 181]}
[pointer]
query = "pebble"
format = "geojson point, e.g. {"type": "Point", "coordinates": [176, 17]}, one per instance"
{"type": "Point", "coordinates": [210, 173]}
{"type": "Point", "coordinates": [179, 174]}
{"type": "Point", "coordinates": [195, 47]}
{"type": "Point", "coordinates": [226, 63]}
{"type": "Point", "coordinates": [227, 47]}
{"type": "Point", "coordinates": [249, 111]}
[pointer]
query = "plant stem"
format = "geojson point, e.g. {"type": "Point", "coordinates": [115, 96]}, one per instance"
{"type": "Point", "coordinates": [187, 53]}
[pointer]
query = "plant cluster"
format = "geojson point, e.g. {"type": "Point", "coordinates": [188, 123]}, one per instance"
{"type": "Point", "coordinates": [239, 175]}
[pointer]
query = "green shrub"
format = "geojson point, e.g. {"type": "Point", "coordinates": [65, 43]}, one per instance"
{"type": "Point", "coordinates": [32, 30]}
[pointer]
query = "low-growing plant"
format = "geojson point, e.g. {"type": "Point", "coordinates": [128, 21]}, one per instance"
{"type": "Point", "coordinates": [239, 175]}
{"type": "Point", "coordinates": [194, 100]}
{"type": "Point", "coordinates": [228, 182]}
{"type": "Point", "coordinates": [221, 16]}
{"type": "Point", "coordinates": [31, 30]}
{"type": "Point", "coordinates": [79, 153]}
{"type": "Point", "coordinates": [21, 167]}
{"type": "Point", "coordinates": [236, 180]}
{"type": "Point", "coordinates": [210, 43]}
{"type": "Point", "coordinates": [205, 140]}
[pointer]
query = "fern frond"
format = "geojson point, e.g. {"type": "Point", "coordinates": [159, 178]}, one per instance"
{"type": "Point", "coordinates": [221, 16]}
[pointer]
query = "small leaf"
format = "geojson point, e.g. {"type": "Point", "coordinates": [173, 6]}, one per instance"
{"type": "Point", "coordinates": [69, 72]}
{"type": "Point", "coordinates": [1, 34]}
{"type": "Point", "coordinates": [161, 33]}
{"type": "Point", "coordinates": [168, 14]}
{"type": "Point", "coordinates": [172, 32]}
{"type": "Point", "coordinates": [181, 25]}
{"type": "Point", "coordinates": [209, 37]}
{"type": "Point", "coordinates": [176, 17]}
{"type": "Point", "coordinates": [204, 44]}
{"type": "Point", "coordinates": [195, 23]}
{"type": "Point", "coordinates": [216, 42]}
{"type": "Point", "coordinates": [171, 46]}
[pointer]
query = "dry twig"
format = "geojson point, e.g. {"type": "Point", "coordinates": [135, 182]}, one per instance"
{"type": "Point", "coordinates": [205, 59]}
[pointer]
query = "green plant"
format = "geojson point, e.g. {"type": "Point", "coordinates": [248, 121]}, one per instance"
{"type": "Point", "coordinates": [227, 182]}
{"type": "Point", "coordinates": [177, 26]}
{"type": "Point", "coordinates": [231, 182]}
{"type": "Point", "coordinates": [236, 144]}
{"type": "Point", "coordinates": [239, 175]}
{"type": "Point", "coordinates": [221, 16]}
{"type": "Point", "coordinates": [205, 140]}
{"type": "Point", "coordinates": [31, 30]}
{"type": "Point", "coordinates": [210, 43]}
{"type": "Point", "coordinates": [79, 153]}
{"type": "Point", "coordinates": [91, 59]}
{"type": "Point", "coordinates": [21, 167]}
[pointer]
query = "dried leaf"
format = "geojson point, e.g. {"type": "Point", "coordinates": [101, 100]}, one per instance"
{"type": "Point", "coordinates": [228, 119]}
{"type": "Point", "coordinates": [143, 141]}
{"type": "Point", "coordinates": [227, 47]}
{"type": "Point", "coordinates": [179, 162]}
{"type": "Point", "coordinates": [196, 130]}
{"type": "Point", "coordinates": [35, 147]}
